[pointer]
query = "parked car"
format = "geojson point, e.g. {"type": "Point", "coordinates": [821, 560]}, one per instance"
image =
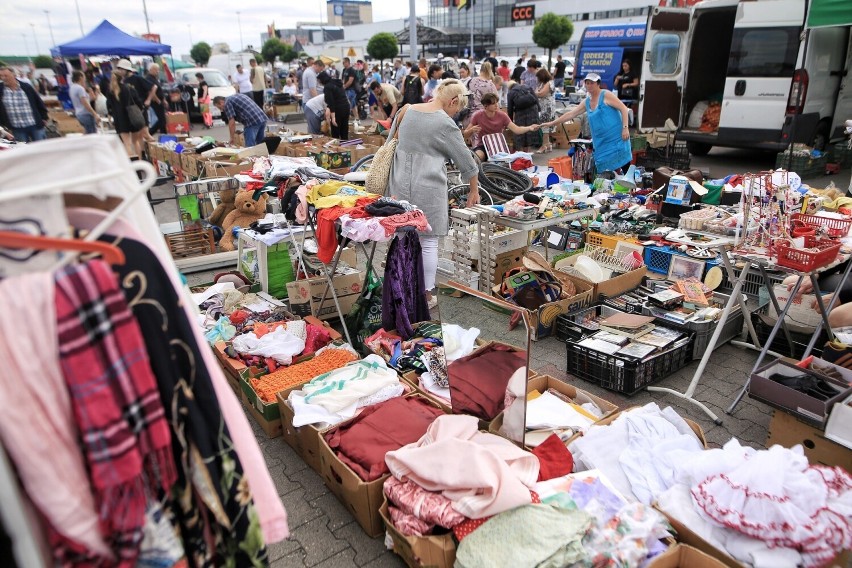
{"type": "Point", "coordinates": [216, 81]}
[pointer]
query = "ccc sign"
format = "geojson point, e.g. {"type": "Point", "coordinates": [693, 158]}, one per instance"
{"type": "Point", "coordinates": [523, 13]}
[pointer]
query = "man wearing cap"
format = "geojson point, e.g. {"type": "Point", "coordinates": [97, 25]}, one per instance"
{"type": "Point", "coordinates": [608, 123]}
{"type": "Point", "coordinates": [21, 109]}
{"type": "Point", "coordinates": [242, 108]}
{"type": "Point", "coordinates": [242, 80]}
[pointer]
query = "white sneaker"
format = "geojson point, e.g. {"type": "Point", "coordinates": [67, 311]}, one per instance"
{"type": "Point", "coordinates": [432, 303]}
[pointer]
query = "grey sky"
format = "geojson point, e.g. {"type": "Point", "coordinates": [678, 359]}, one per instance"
{"type": "Point", "coordinates": [210, 21]}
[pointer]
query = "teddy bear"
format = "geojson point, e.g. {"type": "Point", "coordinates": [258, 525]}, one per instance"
{"type": "Point", "coordinates": [226, 205]}
{"type": "Point", "coordinates": [246, 212]}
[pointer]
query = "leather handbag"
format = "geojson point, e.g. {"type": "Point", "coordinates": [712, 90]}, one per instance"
{"type": "Point", "coordinates": [135, 117]}
{"type": "Point", "coordinates": [378, 176]}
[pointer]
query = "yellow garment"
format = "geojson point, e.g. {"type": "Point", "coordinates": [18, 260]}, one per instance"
{"type": "Point", "coordinates": [327, 194]}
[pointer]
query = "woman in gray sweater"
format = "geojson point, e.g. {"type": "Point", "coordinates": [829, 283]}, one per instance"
{"type": "Point", "coordinates": [428, 137]}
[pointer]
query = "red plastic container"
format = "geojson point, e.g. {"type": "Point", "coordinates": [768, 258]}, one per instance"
{"type": "Point", "coordinates": [834, 227]}
{"type": "Point", "coordinates": [804, 260]}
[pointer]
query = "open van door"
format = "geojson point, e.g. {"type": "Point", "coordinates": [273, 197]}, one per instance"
{"type": "Point", "coordinates": [663, 66]}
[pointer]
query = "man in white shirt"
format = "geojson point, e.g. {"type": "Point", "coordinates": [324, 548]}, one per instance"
{"type": "Point", "coordinates": [314, 113]}
{"type": "Point", "coordinates": [242, 81]}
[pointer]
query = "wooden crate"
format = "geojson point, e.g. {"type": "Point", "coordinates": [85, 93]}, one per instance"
{"type": "Point", "coordinates": [192, 242]}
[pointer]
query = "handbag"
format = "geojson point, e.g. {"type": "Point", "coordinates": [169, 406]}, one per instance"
{"type": "Point", "coordinates": [135, 117]}
{"type": "Point", "coordinates": [378, 175]}
{"type": "Point", "coordinates": [365, 317]}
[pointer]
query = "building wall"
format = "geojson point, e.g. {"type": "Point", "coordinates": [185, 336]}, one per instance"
{"type": "Point", "coordinates": [349, 12]}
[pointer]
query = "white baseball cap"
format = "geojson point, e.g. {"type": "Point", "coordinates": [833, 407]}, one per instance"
{"type": "Point", "coordinates": [440, 56]}
{"type": "Point", "coordinates": [125, 64]}
{"type": "Point", "coordinates": [594, 77]}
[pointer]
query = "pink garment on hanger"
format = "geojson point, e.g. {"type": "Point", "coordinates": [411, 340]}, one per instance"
{"type": "Point", "coordinates": [267, 503]}
{"type": "Point", "coordinates": [38, 427]}
{"type": "Point", "coordinates": [302, 194]}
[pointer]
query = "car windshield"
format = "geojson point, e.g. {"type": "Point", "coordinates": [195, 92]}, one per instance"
{"type": "Point", "coordinates": [213, 77]}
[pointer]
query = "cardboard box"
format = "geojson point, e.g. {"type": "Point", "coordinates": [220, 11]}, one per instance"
{"type": "Point", "coordinates": [839, 425]}
{"type": "Point", "coordinates": [215, 168]}
{"type": "Point", "coordinates": [808, 408]}
{"type": "Point", "coordinates": [265, 413]}
{"type": "Point", "coordinates": [685, 535]}
{"type": "Point", "coordinates": [177, 127]}
{"type": "Point", "coordinates": [304, 295]}
{"type": "Point", "coordinates": [373, 139]}
{"type": "Point", "coordinates": [297, 151]}
{"type": "Point", "coordinates": [282, 109]}
{"type": "Point", "coordinates": [331, 159]}
{"type": "Point", "coordinates": [685, 556]}
{"type": "Point", "coordinates": [176, 118]}
{"type": "Point", "coordinates": [699, 432]}
{"type": "Point", "coordinates": [258, 150]}
{"type": "Point", "coordinates": [304, 440]}
{"type": "Point", "coordinates": [362, 498]}
{"type": "Point", "coordinates": [787, 430]}
{"type": "Point", "coordinates": [434, 551]}
{"type": "Point", "coordinates": [503, 263]}
{"type": "Point", "coordinates": [359, 151]}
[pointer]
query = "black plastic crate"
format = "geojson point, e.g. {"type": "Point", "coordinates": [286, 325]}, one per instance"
{"type": "Point", "coordinates": [675, 156]}
{"type": "Point", "coordinates": [754, 285]}
{"type": "Point", "coordinates": [801, 337]}
{"type": "Point", "coordinates": [570, 326]}
{"type": "Point", "coordinates": [624, 374]}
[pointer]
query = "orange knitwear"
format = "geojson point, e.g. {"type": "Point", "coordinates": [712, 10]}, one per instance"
{"type": "Point", "coordinates": [269, 385]}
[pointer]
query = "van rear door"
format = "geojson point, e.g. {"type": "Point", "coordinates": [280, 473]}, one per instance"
{"type": "Point", "coordinates": [663, 67]}
{"type": "Point", "coordinates": [764, 53]}
{"type": "Point", "coordinates": [843, 108]}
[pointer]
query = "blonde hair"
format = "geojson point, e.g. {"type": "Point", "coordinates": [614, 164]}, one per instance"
{"type": "Point", "coordinates": [448, 89]}
{"type": "Point", "coordinates": [115, 85]}
{"type": "Point", "coordinates": [486, 72]}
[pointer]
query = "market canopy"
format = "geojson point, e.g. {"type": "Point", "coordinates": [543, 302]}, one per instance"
{"type": "Point", "coordinates": [106, 39]}
{"type": "Point", "coordinates": [824, 13]}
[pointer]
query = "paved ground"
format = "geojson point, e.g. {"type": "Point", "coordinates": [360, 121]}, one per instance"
{"type": "Point", "coordinates": [324, 534]}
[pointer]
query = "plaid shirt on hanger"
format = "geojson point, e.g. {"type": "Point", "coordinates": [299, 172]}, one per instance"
{"type": "Point", "coordinates": [18, 108]}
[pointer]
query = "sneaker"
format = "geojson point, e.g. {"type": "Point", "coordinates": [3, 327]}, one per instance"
{"type": "Point", "coordinates": [432, 303]}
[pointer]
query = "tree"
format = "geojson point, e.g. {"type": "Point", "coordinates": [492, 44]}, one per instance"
{"type": "Point", "coordinates": [382, 46]}
{"type": "Point", "coordinates": [43, 62]}
{"type": "Point", "coordinates": [201, 53]}
{"type": "Point", "coordinates": [552, 31]}
{"type": "Point", "coordinates": [274, 47]}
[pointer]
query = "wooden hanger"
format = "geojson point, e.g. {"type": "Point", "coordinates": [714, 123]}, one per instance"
{"type": "Point", "coordinates": [110, 253]}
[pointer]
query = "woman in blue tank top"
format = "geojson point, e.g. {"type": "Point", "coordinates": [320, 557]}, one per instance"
{"type": "Point", "coordinates": [608, 123]}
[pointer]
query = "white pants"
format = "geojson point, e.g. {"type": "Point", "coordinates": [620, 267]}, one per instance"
{"type": "Point", "coordinates": [429, 246]}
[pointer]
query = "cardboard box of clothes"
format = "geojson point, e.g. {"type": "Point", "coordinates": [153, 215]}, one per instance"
{"type": "Point", "coordinates": [304, 440]}
{"type": "Point", "coordinates": [809, 408]}
{"type": "Point", "coordinates": [687, 536]}
{"type": "Point", "coordinates": [699, 432]}
{"type": "Point", "coordinates": [362, 498]}
{"type": "Point", "coordinates": [434, 551]}
{"type": "Point", "coordinates": [305, 295]}
{"type": "Point", "coordinates": [542, 383]}
{"type": "Point", "coordinates": [787, 430]}
{"type": "Point", "coordinates": [685, 556]}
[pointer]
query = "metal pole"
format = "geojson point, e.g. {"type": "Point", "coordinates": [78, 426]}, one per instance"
{"type": "Point", "coordinates": [412, 31]}
{"type": "Point", "coordinates": [35, 38]}
{"type": "Point", "coordinates": [50, 27]}
{"type": "Point", "coordinates": [27, 45]}
{"type": "Point", "coordinates": [472, 63]}
{"type": "Point", "coordinates": [79, 19]}
{"type": "Point", "coordinates": [147, 22]}
{"type": "Point", "coordinates": [240, 24]}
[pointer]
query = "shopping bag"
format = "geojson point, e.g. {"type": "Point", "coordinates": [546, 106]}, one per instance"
{"type": "Point", "coordinates": [365, 317]}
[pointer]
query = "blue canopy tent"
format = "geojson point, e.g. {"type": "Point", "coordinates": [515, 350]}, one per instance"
{"type": "Point", "coordinates": [106, 39]}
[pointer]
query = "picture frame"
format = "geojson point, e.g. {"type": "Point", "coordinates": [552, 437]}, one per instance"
{"type": "Point", "coordinates": [623, 248]}
{"type": "Point", "coordinates": [683, 267]}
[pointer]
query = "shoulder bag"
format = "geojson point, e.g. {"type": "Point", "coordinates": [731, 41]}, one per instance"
{"type": "Point", "coordinates": [134, 113]}
{"type": "Point", "coordinates": [378, 175]}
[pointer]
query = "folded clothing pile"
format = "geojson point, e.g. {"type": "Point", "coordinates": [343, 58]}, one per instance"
{"type": "Point", "coordinates": [327, 359]}
{"type": "Point", "coordinates": [337, 395]}
{"type": "Point", "coordinates": [363, 442]}
{"type": "Point", "coordinates": [479, 380]}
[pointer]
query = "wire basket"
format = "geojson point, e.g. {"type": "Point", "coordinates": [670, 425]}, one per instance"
{"type": "Point", "coordinates": [606, 258]}
{"type": "Point", "coordinates": [808, 260]}
{"type": "Point", "coordinates": [675, 156]}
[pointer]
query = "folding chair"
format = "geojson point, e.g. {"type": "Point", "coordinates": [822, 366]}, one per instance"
{"type": "Point", "coordinates": [495, 144]}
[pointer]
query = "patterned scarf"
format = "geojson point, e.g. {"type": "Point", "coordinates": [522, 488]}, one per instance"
{"type": "Point", "coordinates": [125, 437]}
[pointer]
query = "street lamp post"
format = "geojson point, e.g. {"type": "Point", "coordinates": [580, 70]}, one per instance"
{"type": "Point", "coordinates": [240, 25]}
{"type": "Point", "coordinates": [50, 27]}
{"type": "Point", "coordinates": [147, 21]}
{"type": "Point", "coordinates": [35, 38]}
{"type": "Point", "coordinates": [412, 31]}
{"type": "Point", "coordinates": [79, 19]}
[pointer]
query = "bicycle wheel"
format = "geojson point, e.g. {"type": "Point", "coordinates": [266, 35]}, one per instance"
{"type": "Point", "coordinates": [363, 164]}
{"type": "Point", "coordinates": [457, 196]}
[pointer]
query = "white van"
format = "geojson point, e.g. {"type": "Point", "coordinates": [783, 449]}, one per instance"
{"type": "Point", "coordinates": [766, 82]}
{"type": "Point", "coordinates": [227, 62]}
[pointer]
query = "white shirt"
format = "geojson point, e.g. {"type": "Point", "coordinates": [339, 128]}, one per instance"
{"type": "Point", "coordinates": [243, 81]}
{"type": "Point", "coordinates": [316, 104]}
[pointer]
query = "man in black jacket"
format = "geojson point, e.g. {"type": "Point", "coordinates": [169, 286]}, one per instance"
{"type": "Point", "coordinates": [21, 109]}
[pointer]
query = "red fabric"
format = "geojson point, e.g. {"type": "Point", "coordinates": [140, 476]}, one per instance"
{"type": "Point", "coordinates": [521, 164]}
{"type": "Point", "coordinates": [478, 385]}
{"type": "Point", "coordinates": [317, 338]}
{"type": "Point", "coordinates": [414, 219]}
{"type": "Point", "coordinates": [464, 529]}
{"type": "Point", "coordinates": [326, 234]}
{"type": "Point", "coordinates": [363, 442]}
{"type": "Point", "coordinates": [555, 460]}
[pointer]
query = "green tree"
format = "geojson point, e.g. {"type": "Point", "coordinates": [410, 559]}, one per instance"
{"type": "Point", "coordinates": [43, 62]}
{"type": "Point", "coordinates": [274, 47]}
{"type": "Point", "coordinates": [382, 46]}
{"type": "Point", "coordinates": [552, 31]}
{"type": "Point", "coordinates": [201, 53]}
